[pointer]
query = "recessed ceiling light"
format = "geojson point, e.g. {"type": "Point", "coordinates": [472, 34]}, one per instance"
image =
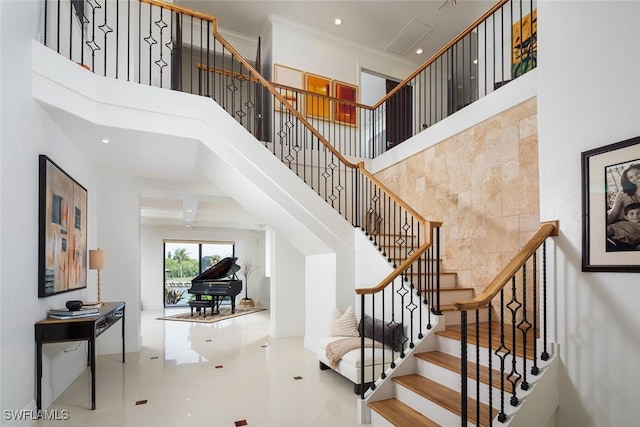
{"type": "Point", "coordinates": [475, 61]}
{"type": "Point", "coordinates": [189, 210]}
{"type": "Point", "coordinates": [105, 140]}
{"type": "Point", "coordinates": [338, 21]}
{"type": "Point", "coordinates": [419, 51]}
{"type": "Point", "coordinates": [188, 219]}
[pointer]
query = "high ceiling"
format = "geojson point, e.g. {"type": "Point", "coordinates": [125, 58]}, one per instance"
{"type": "Point", "coordinates": [373, 25]}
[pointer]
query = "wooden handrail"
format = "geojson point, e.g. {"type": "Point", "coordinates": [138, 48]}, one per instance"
{"type": "Point", "coordinates": [282, 99]}
{"type": "Point", "coordinates": [257, 77]}
{"type": "Point", "coordinates": [185, 11]}
{"type": "Point", "coordinates": [321, 138]}
{"type": "Point", "coordinates": [439, 53]}
{"type": "Point", "coordinates": [429, 226]}
{"type": "Point", "coordinates": [547, 229]}
{"type": "Point", "coordinates": [392, 195]}
{"type": "Point", "coordinates": [318, 95]}
{"type": "Point", "coordinates": [224, 72]}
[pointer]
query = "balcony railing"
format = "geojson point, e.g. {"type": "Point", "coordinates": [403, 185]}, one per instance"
{"type": "Point", "coordinates": [157, 43]}
{"type": "Point", "coordinates": [498, 47]}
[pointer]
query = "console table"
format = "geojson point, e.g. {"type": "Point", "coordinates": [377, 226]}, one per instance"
{"type": "Point", "coordinates": [80, 329]}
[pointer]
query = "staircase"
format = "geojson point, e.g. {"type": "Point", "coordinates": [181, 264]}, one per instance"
{"type": "Point", "coordinates": [431, 395]}
{"type": "Point", "coordinates": [424, 387]}
{"type": "Point", "coordinates": [511, 379]}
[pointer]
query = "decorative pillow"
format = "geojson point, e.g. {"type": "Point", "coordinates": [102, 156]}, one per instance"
{"type": "Point", "coordinates": [344, 324]}
{"type": "Point", "coordinates": [389, 335]}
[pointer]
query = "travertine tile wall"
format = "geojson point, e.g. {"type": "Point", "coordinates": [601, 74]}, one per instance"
{"type": "Point", "coordinates": [483, 185]}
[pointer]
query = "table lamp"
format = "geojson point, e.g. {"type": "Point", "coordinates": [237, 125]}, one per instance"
{"type": "Point", "coordinates": [98, 261]}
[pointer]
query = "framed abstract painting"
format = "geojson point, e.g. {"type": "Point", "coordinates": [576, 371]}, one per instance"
{"type": "Point", "coordinates": [292, 78]}
{"type": "Point", "coordinates": [318, 100]}
{"type": "Point", "coordinates": [62, 246]}
{"type": "Point", "coordinates": [345, 112]}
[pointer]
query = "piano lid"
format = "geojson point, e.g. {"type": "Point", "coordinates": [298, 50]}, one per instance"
{"type": "Point", "coordinates": [222, 269]}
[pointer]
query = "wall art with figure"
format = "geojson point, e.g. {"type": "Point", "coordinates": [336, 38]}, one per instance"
{"type": "Point", "coordinates": [611, 207]}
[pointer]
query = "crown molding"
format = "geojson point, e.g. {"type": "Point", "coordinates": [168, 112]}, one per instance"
{"type": "Point", "coordinates": [295, 26]}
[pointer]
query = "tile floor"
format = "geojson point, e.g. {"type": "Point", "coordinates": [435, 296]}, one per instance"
{"type": "Point", "coordinates": [226, 374]}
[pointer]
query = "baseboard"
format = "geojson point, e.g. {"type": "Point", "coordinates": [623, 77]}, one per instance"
{"type": "Point", "coordinates": [21, 418]}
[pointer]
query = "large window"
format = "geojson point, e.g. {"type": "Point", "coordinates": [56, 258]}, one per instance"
{"type": "Point", "coordinates": [183, 261]}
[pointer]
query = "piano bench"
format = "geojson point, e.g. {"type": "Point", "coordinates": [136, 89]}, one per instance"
{"type": "Point", "coordinates": [203, 304]}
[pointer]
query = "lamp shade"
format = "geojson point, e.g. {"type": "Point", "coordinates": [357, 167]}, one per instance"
{"type": "Point", "coordinates": [97, 259]}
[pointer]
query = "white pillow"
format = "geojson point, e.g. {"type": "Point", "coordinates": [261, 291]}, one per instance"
{"type": "Point", "coordinates": [344, 325]}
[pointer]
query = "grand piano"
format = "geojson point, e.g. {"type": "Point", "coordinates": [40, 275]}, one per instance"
{"type": "Point", "coordinates": [218, 281]}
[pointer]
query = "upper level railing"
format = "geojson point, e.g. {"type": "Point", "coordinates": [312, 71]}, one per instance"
{"type": "Point", "coordinates": [157, 43]}
{"type": "Point", "coordinates": [518, 296]}
{"type": "Point", "coordinates": [498, 47]}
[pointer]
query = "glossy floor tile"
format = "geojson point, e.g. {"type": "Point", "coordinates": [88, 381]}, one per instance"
{"type": "Point", "coordinates": [229, 373]}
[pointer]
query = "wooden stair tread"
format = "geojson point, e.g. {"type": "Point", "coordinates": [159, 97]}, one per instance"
{"type": "Point", "coordinates": [399, 414]}
{"type": "Point", "coordinates": [444, 396]}
{"type": "Point", "coordinates": [452, 363]}
{"type": "Point", "coordinates": [454, 332]}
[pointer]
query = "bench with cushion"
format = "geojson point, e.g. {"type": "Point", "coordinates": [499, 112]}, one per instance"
{"type": "Point", "coordinates": [341, 352]}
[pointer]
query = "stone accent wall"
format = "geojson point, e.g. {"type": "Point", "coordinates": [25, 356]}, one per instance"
{"type": "Point", "coordinates": [483, 185]}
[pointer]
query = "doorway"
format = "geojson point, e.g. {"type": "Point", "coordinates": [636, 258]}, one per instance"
{"type": "Point", "coordinates": [390, 125]}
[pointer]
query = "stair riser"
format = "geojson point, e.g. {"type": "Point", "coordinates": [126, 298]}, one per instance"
{"type": "Point", "coordinates": [449, 297]}
{"type": "Point", "coordinates": [452, 380]}
{"type": "Point", "coordinates": [447, 281]}
{"type": "Point", "coordinates": [379, 421]}
{"type": "Point", "coordinates": [452, 317]}
{"type": "Point", "coordinates": [452, 346]}
{"type": "Point", "coordinates": [427, 407]}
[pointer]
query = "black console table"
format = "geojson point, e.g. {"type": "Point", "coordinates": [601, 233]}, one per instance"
{"type": "Point", "coordinates": [81, 329]}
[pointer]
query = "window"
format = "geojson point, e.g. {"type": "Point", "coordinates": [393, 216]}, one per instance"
{"type": "Point", "coordinates": [183, 261]}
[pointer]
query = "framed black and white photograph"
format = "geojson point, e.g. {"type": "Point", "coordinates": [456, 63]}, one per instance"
{"type": "Point", "coordinates": [611, 207]}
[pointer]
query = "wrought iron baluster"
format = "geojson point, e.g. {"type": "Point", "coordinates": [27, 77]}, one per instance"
{"type": "Point", "coordinates": [545, 354]}
{"type": "Point", "coordinates": [502, 352]}
{"type": "Point", "coordinates": [514, 377]}
{"type": "Point", "coordinates": [534, 369]}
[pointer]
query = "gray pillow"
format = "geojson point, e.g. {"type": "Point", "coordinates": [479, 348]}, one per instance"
{"type": "Point", "coordinates": [376, 329]}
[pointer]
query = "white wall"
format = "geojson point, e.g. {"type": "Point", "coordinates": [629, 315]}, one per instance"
{"type": "Point", "coordinates": [300, 47]}
{"type": "Point", "coordinates": [588, 97]}
{"type": "Point", "coordinates": [118, 222]}
{"type": "Point", "coordinates": [25, 133]}
{"type": "Point", "coordinates": [1, 181]}
{"type": "Point", "coordinates": [247, 243]}
{"type": "Point", "coordinates": [287, 290]}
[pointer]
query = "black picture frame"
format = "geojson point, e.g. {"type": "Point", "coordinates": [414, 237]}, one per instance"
{"type": "Point", "coordinates": [62, 231]}
{"type": "Point", "coordinates": [602, 174]}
